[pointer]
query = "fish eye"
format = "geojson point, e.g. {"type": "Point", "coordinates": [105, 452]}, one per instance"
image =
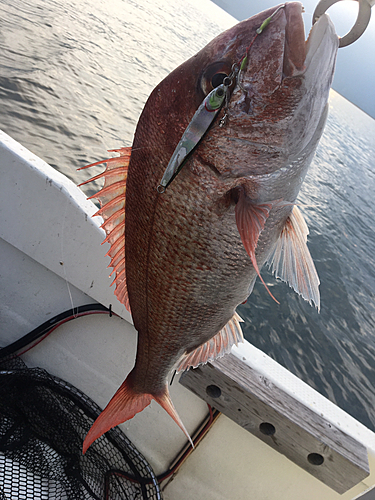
{"type": "Point", "coordinates": [214, 75]}
{"type": "Point", "coordinates": [218, 79]}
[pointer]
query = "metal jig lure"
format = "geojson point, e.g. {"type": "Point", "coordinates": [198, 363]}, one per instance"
{"type": "Point", "coordinates": [205, 115]}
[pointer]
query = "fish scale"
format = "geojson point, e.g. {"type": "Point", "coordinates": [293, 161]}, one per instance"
{"type": "Point", "coordinates": [194, 248]}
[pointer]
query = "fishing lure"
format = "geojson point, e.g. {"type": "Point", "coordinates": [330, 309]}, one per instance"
{"type": "Point", "coordinates": [194, 132]}
{"type": "Point", "coordinates": [206, 113]}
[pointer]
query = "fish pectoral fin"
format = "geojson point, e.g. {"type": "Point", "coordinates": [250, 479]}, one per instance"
{"type": "Point", "coordinates": [251, 219]}
{"type": "Point", "coordinates": [124, 405]}
{"type": "Point", "coordinates": [112, 208]}
{"type": "Point", "coordinates": [291, 260]}
{"type": "Point", "coordinates": [214, 348]}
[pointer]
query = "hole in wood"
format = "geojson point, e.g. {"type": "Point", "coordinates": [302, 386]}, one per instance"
{"type": "Point", "coordinates": [315, 458]}
{"type": "Point", "coordinates": [213, 391]}
{"type": "Point", "coordinates": [267, 429]}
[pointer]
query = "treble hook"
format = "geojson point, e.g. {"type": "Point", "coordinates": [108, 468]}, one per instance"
{"type": "Point", "coordinates": [363, 18]}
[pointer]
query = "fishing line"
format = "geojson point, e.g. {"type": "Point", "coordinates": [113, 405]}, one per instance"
{"type": "Point", "coordinates": [62, 261]}
{"type": "Point", "coordinates": [243, 61]}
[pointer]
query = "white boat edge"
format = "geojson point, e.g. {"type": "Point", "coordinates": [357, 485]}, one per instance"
{"type": "Point", "coordinates": [46, 219]}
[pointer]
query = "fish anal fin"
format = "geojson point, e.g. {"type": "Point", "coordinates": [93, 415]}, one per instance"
{"type": "Point", "coordinates": [291, 260]}
{"type": "Point", "coordinates": [251, 219]}
{"type": "Point", "coordinates": [112, 198]}
{"type": "Point", "coordinates": [124, 405]}
{"type": "Point", "coordinates": [216, 347]}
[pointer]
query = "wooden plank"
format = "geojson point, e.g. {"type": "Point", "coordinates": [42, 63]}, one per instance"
{"type": "Point", "coordinates": [280, 420]}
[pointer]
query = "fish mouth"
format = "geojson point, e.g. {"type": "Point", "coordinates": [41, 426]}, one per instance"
{"type": "Point", "coordinates": [300, 54]}
{"type": "Point", "coordinates": [280, 53]}
{"type": "Point", "coordinates": [321, 46]}
{"type": "Point", "coordinates": [295, 46]}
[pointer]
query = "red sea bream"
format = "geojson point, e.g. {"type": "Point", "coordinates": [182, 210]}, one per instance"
{"type": "Point", "coordinates": [185, 257]}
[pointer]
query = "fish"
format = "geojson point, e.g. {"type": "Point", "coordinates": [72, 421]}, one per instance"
{"type": "Point", "coordinates": [186, 252]}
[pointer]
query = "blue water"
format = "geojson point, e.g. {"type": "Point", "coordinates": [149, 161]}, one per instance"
{"type": "Point", "coordinates": [74, 77]}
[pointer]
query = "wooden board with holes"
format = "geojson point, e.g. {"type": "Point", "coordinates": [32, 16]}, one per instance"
{"type": "Point", "coordinates": [280, 420]}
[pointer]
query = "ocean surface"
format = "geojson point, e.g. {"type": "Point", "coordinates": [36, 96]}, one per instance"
{"type": "Point", "coordinates": [74, 77]}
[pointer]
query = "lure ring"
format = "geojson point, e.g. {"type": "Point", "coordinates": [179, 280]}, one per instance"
{"type": "Point", "coordinates": [363, 18]}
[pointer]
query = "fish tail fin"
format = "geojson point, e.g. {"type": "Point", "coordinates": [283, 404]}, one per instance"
{"type": "Point", "coordinates": [165, 402]}
{"type": "Point", "coordinates": [122, 407]}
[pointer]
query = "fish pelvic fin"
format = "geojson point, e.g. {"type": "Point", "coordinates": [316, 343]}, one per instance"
{"type": "Point", "coordinates": [291, 261]}
{"type": "Point", "coordinates": [126, 403]}
{"type": "Point", "coordinates": [112, 208]}
{"type": "Point", "coordinates": [251, 219]}
{"type": "Point", "coordinates": [216, 347]}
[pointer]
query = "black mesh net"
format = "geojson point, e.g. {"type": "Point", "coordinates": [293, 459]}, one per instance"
{"type": "Point", "coordinates": [43, 421]}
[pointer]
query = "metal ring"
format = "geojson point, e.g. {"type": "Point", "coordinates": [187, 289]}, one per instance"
{"type": "Point", "coordinates": [363, 18]}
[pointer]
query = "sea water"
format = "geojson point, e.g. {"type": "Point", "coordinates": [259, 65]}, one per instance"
{"type": "Point", "coordinates": [74, 77]}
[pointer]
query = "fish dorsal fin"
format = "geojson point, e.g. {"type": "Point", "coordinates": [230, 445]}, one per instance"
{"type": "Point", "coordinates": [291, 260]}
{"type": "Point", "coordinates": [251, 219]}
{"type": "Point", "coordinates": [112, 208]}
{"type": "Point", "coordinates": [214, 348]}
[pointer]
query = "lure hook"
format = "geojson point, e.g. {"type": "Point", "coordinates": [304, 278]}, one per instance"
{"type": "Point", "coordinates": [363, 18]}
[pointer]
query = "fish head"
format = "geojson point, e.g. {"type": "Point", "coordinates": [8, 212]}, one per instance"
{"type": "Point", "coordinates": [276, 106]}
{"type": "Point", "coordinates": [280, 98]}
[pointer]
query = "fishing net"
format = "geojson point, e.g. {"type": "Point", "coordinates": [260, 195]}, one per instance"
{"type": "Point", "coordinates": [43, 421]}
